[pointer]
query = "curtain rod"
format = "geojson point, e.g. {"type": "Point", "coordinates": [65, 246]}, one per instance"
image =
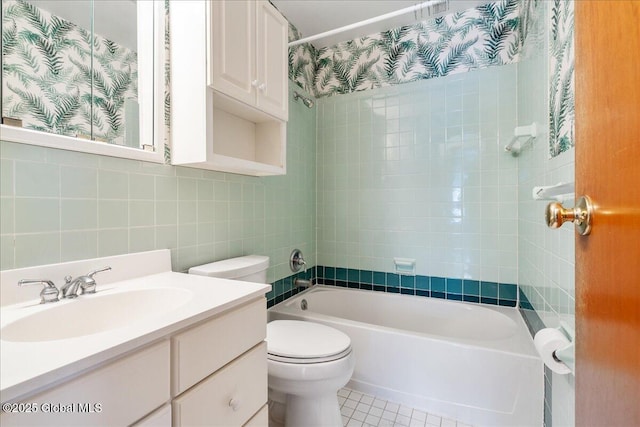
{"type": "Point", "coordinates": [371, 21]}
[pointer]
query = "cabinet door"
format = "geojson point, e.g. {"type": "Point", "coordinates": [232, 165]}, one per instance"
{"type": "Point", "coordinates": [232, 58]}
{"type": "Point", "coordinates": [116, 394]}
{"type": "Point", "coordinates": [272, 61]}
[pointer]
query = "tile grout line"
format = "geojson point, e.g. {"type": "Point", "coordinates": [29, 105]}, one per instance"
{"type": "Point", "coordinates": [360, 409]}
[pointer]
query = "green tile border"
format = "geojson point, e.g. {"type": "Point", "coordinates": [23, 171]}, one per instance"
{"type": "Point", "coordinates": [457, 289]}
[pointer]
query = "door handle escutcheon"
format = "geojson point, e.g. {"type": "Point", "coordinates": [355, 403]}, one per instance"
{"type": "Point", "coordinates": [580, 215]}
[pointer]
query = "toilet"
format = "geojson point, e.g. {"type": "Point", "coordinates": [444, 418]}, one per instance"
{"type": "Point", "coordinates": [307, 362]}
{"type": "Point", "coordinates": [250, 268]}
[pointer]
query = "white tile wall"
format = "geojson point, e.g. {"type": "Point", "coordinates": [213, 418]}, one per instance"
{"type": "Point", "coordinates": [419, 171]}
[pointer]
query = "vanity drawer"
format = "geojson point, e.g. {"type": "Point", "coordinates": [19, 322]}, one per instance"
{"type": "Point", "coordinates": [261, 419]}
{"type": "Point", "coordinates": [202, 350]}
{"type": "Point", "coordinates": [116, 394]}
{"type": "Point", "coordinates": [229, 397]}
{"type": "Point", "coordinates": [158, 418]}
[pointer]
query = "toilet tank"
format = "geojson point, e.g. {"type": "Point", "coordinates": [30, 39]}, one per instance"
{"type": "Point", "coordinates": [250, 268]}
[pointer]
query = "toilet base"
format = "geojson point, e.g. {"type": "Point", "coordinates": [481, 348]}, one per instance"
{"type": "Point", "coordinates": [313, 411]}
{"type": "Point", "coordinates": [304, 411]}
{"type": "Point", "coordinates": [276, 412]}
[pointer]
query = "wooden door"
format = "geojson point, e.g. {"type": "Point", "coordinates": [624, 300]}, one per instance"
{"type": "Point", "coordinates": [272, 61]}
{"type": "Point", "coordinates": [608, 170]}
{"type": "Point", "coordinates": [232, 59]}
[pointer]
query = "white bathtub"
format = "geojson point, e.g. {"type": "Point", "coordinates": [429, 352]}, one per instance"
{"type": "Point", "coordinates": [471, 362]}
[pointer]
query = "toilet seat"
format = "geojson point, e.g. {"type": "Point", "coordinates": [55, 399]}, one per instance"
{"type": "Point", "coordinates": [298, 360]}
{"type": "Point", "coordinates": [300, 342]}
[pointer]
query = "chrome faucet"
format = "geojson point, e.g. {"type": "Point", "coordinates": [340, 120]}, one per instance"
{"type": "Point", "coordinates": [302, 283]}
{"type": "Point", "coordinates": [86, 284]}
{"type": "Point", "coordinates": [296, 261]}
{"type": "Point", "coordinates": [49, 292]}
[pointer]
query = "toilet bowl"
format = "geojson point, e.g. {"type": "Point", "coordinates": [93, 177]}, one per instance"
{"type": "Point", "coordinates": [307, 363]}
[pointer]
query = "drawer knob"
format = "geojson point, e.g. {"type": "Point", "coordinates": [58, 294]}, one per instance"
{"type": "Point", "coordinates": [234, 404]}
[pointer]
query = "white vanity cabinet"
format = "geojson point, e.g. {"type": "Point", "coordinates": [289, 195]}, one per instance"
{"type": "Point", "coordinates": [212, 373]}
{"type": "Point", "coordinates": [229, 99]}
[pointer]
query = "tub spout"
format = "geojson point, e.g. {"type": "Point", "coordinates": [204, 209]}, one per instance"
{"type": "Point", "coordinates": [302, 283]}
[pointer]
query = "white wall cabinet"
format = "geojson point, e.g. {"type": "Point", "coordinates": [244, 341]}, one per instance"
{"type": "Point", "coordinates": [232, 54]}
{"type": "Point", "coordinates": [217, 369]}
{"type": "Point", "coordinates": [229, 86]}
{"type": "Point", "coordinates": [248, 56]}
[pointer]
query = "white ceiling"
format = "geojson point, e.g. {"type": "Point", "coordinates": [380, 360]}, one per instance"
{"type": "Point", "coordinates": [316, 16]}
{"type": "Point", "coordinates": [116, 20]}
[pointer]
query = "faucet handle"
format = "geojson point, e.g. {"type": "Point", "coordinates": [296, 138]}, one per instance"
{"type": "Point", "coordinates": [100, 270]}
{"type": "Point", "coordinates": [49, 292]}
{"type": "Point", "coordinates": [296, 261]}
{"type": "Point", "coordinates": [89, 286]}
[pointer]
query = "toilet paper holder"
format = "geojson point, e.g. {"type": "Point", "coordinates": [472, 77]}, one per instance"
{"type": "Point", "coordinates": [567, 355]}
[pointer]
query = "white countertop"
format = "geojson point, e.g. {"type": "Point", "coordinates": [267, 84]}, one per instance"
{"type": "Point", "coordinates": [29, 366]}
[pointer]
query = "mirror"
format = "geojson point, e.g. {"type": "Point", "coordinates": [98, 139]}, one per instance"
{"type": "Point", "coordinates": [83, 74]}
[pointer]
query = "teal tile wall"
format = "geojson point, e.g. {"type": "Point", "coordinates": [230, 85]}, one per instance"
{"type": "Point", "coordinates": [504, 294]}
{"type": "Point", "coordinates": [58, 205]}
{"type": "Point", "coordinates": [285, 288]}
{"type": "Point", "coordinates": [419, 171]}
{"type": "Point", "coordinates": [546, 258]}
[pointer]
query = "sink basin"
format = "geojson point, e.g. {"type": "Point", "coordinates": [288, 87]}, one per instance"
{"type": "Point", "coordinates": [91, 314]}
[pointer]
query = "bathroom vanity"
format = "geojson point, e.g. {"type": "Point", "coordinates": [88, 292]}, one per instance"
{"type": "Point", "coordinates": [151, 347]}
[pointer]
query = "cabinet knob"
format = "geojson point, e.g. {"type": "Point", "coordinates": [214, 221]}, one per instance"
{"type": "Point", "coordinates": [234, 404]}
{"type": "Point", "coordinates": [254, 83]}
{"type": "Point", "coordinates": [262, 87]}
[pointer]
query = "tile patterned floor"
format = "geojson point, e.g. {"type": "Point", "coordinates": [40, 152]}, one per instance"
{"type": "Point", "coordinates": [363, 410]}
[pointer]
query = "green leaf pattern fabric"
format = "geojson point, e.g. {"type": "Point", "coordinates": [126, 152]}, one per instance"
{"type": "Point", "coordinates": [562, 79]}
{"type": "Point", "coordinates": [302, 61]}
{"type": "Point", "coordinates": [48, 75]}
{"type": "Point", "coordinates": [455, 43]}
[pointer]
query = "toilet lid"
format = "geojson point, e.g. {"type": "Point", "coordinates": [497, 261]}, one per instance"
{"type": "Point", "coordinates": [305, 342]}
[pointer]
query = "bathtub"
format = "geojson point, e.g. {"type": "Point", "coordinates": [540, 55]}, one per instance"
{"type": "Point", "coordinates": [470, 362]}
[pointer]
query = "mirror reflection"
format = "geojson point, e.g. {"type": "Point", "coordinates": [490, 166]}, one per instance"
{"type": "Point", "coordinates": [70, 67]}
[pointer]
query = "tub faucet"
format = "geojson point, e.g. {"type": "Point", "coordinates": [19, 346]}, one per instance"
{"type": "Point", "coordinates": [86, 283]}
{"type": "Point", "coordinates": [302, 283]}
{"type": "Point", "coordinates": [296, 261]}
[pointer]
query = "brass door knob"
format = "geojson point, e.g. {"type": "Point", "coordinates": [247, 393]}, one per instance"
{"type": "Point", "coordinates": [580, 215]}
